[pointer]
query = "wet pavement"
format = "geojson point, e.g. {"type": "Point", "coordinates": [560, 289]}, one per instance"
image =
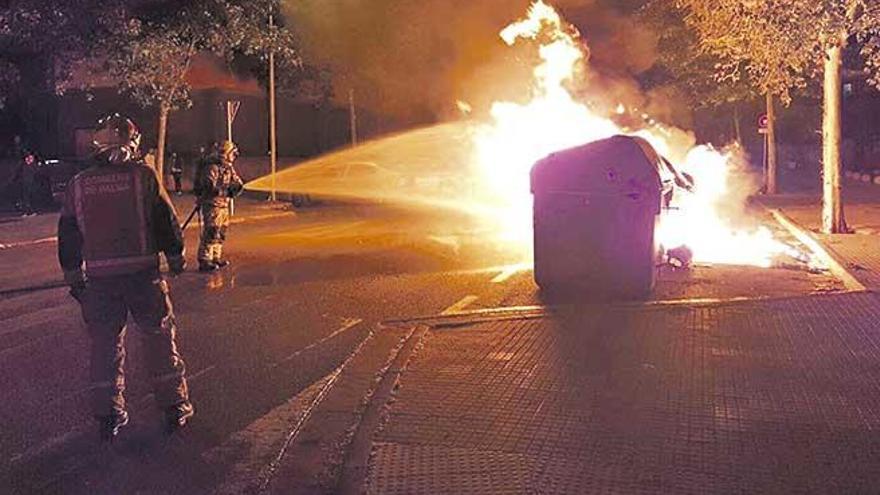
{"type": "Point", "coordinates": [303, 293]}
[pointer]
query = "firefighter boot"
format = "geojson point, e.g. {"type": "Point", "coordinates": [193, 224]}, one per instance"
{"type": "Point", "coordinates": [177, 416]}
{"type": "Point", "coordinates": [109, 426]}
{"type": "Point", "coordinates": [217, 254]}
{"type": "Point", "coordinates": [208, 266]}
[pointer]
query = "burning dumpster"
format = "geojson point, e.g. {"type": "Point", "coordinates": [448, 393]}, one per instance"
{"type": "Point", "coordinates": [596, 207]}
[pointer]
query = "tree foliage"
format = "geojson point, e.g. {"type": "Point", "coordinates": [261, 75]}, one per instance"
{"type": "Point", "coordinates": [152, 51]}
{"type": "Point", "coordinates": [867, 30]}
{"type": "Point", "coordinates": [53, 33]}
{"type": "Point", "coordinates": [9, 81]}
{"type": "Point", "coordinates": [748, 45]}
{"type": "Point", "coordinates": [783, 44]}
{"type": "Point", "coordinates": [779, 44]}
{"type": "Point", "coordinates": [684, 64]}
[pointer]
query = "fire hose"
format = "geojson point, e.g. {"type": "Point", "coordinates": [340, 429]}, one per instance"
{"type": "Point", "coordinates": [190, 217]}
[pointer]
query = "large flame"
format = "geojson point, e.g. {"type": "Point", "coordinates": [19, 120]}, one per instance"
{"type": "Point", "coordinates": [521, 134]}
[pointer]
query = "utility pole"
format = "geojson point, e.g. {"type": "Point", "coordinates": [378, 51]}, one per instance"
{"type": "Point", "coordinates": [273, 141]}
{"type": "Point", "coordinates": [352, 110]}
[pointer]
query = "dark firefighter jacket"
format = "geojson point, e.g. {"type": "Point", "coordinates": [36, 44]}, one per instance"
{"type": "Point", "coordinates": [217, 183]}
{"type": "Point", "coordinates": [116, 220]}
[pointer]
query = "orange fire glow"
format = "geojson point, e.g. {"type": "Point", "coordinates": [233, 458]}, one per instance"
{"type": "Point", "coordinates": [521, 134]}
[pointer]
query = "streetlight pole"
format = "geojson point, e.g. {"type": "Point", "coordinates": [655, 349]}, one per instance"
{"type": "Point", "coordinates": [352, 114]}
{"type": "Point", "coordinates": [273, 142]}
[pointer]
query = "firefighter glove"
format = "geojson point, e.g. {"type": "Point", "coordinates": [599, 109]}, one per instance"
{"type": "Point", "coordinates": [76, 280]}
{"type": "Point", "coordinates": [77, 292]}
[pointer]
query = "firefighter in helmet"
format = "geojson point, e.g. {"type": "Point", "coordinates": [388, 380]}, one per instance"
{"type": "Point", "coordinates": [218, 184]}
{"type": "Point", "coordinates": [115, 221]}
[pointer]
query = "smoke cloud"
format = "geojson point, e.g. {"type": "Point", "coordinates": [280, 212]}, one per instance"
{"type": "Point", "coordinates": [414, 60]}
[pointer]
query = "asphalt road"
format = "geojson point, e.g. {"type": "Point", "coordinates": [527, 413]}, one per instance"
{"type": "Point", "coordinates": [303, 292]}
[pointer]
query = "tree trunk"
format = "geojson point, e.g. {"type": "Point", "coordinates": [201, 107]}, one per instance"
{"type": "Point", "coordinates": [832, 207]}
{"type": "Point", "coordinates": [160, 145]}
{"type": "Point", "coordinates": [770, 178]}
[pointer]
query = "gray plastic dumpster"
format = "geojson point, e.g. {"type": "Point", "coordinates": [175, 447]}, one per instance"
{"type": "Point", "coordinates": [595, 212]}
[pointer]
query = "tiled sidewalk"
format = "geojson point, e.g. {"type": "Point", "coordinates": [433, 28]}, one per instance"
{"type": "Point", "coordinates": [860, 255]}
{"type": "Point", "coordinates": [760, 397]}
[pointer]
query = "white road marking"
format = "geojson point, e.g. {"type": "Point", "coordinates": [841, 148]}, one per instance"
{"type": "Point", "coordinates": [541, 311]}
{"type": "Point", "coordinates": [201, 373]}
{"type": "Point", "coordinates": [510, 271]}
{"type": "Point", "coordinates": [449, 241]}
{"type": "Point", "coordinates": [460, 305]}
{"type": "Point", "coordinates": [39, 450]}
{"type": "Point", "coordinates": [192, 225]}
{"type": "Point", "coordinates": [321, 230]}
{"type": "Point", "coordinates": [67, 436]}
{"type": "Point", "coordinates": [34, 242]}
{"type": "Point", "coordinates": [347, 324]}
{"type": "Point", "coordinates": [849, 281]}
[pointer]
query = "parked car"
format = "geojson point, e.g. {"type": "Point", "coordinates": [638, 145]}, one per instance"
{"type": "Point", "coordinates": [53, 175]}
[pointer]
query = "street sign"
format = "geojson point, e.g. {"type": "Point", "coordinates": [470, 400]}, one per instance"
{"type": "Point", "coordinates": [763, 121]}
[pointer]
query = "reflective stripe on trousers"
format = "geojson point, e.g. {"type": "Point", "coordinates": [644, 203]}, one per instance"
{"type": "Point", "coordinates": [215, 221]}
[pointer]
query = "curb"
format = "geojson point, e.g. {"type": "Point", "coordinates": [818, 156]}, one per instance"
{"type": "Point", "coordinates": [373, 414]}
{"type": "Point", "coordinates": [835, 266]}
{"type": "Point", "coordinates": [330, 456]}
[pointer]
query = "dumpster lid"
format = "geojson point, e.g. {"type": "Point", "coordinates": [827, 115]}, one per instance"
{"type": "Point", "coordinates": [619, 165]}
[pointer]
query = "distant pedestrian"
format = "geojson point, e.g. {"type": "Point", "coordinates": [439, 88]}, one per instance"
{"type": "Point", "coordinates": [218, 183]}
{"type": "Point", "coordinates": [115, 220]}
{"type": "Point", "coordinates": [17, 146]}
{"type": "Point", "coordinates": [201, 165]}
{"type": "Point", "coordinates": [177, 172]}
{"type": "Point", "coordinates": [27, 181]}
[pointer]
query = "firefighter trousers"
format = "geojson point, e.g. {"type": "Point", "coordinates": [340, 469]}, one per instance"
{"type": "Point", "coordinates": [215, 221]}
{"type": "Point", "coordinates": [106, 304]}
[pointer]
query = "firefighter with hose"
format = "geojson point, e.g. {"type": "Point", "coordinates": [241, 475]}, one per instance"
{"type": "Point", "coordinates": [115, 221]}
{"type": "Point", "coordinates": [216, 187]}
